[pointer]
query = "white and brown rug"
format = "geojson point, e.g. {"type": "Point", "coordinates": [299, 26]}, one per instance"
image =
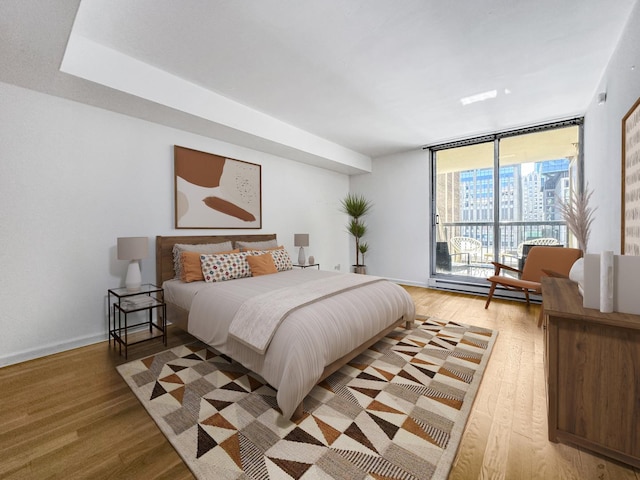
{"type": "Point", "coordinates": [395, 412]}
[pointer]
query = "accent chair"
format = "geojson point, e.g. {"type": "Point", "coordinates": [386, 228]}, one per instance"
{"type": "Point", "coordinates": [541, 261]}
{"type": "Point", "coordinates": [466, 246]}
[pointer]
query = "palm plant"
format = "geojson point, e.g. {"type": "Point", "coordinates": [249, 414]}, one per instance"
{"type": "Point", "coordinates": [356, 206]}
{"type": "Point", "coordinates": [364, 248]}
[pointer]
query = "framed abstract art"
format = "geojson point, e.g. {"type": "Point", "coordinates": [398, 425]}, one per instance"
{"type": "Point", "coordinates": [630, 224]}
{"type": "Point", "coordinates": [213, 191]}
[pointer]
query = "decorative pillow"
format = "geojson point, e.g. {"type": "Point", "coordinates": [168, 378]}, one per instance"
{"type": "Point", "coordinates": [192, 268]}
{"type": "Point", "coordinates": [244, 246]}
{"type": "Point", "coordinates": [280, 256]}
{"type": "Point", "coordinates": [261, 264]}
{"type": "Point", "coordinates": [282, 260]}
{"type": "Point", "coordinates": [224, 266]}
{"type": "Point", "coordinates": [178, 248]}
{"type": "Point", "coordinates": [281, 247]}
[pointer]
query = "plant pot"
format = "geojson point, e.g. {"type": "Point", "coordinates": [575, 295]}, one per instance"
{"type": "Point", "coordinates": [362, 269]}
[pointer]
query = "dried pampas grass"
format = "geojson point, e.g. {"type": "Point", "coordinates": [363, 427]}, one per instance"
{"type": "Point", "coordinates": [579, 216]}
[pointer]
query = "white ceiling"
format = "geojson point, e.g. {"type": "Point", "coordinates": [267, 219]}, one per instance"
{"type": "Point", "coordinates": [367, 77]}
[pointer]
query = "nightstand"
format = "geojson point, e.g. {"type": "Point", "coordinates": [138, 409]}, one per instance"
{"type": "Point", "coordinates": [307, 265]}
{"type": "Point", "coordinates": [148, 299]}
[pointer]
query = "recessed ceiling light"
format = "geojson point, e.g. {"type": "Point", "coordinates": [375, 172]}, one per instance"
{"type": "Point", "coordinates": [479, 97]}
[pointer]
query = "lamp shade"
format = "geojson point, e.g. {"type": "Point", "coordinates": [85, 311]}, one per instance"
{"type": "Point", "coordinates": [300, 239]}
{"type": "Point", "coordinates": [133, 248]}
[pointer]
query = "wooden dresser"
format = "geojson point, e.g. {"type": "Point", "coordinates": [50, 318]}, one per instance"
{"type": "Point", "coordinates": [592, 367]}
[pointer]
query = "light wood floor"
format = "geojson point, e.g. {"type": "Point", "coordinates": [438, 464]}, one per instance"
{"type": "Point", "coordinates": [71, 415]}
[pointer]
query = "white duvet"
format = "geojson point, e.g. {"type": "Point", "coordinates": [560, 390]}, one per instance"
{"type": "Point", "coordinates": [309, 338]}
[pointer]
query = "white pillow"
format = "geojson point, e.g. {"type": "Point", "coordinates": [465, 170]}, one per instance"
{"type": "Point", "coordinates": [178, 248]}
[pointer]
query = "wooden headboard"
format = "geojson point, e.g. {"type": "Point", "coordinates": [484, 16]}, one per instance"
{"type": "Point", "coordinates": [164, 249]}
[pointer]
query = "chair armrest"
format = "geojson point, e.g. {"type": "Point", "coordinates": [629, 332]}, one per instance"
{"type": "Point", "coordinates": [501, 266]}
{"type": "Point", "coordinates": [554, 274]}
{"type": "Point", "coordinates": [509, 255]}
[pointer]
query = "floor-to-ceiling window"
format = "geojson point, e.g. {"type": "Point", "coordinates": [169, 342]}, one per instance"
{"type": "Point", "coordinates": [495, 196]}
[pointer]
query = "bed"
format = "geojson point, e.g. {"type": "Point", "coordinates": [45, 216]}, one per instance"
{"type": "Point", "coordinates": [311, 342]}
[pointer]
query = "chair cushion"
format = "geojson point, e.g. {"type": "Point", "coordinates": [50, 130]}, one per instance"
{"type": "Point", "coordinates": [559, 260]}
{"type": "Point", "coordinates": [515, 282]}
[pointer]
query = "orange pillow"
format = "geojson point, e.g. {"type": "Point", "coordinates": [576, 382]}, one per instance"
{"type": "Point", "coordinates": [191, 267]}
{"type": "Point", "coordinates": [261, 264]}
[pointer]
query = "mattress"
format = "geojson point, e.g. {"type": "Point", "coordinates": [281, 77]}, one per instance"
{"type": "Point", "coordinates": [308, 339]}
{"type": "Point", "coordinates": [181, 293]}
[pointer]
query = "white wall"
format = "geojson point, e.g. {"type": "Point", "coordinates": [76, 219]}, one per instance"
{"type": "Point", "coordinates": [603, 136]}
{"type": "Point", "coordinates": [398, 225]}
{"type": "Point", "coordinates": [73, 178]}
{"type": "Point", "coordinates": [399, 184]}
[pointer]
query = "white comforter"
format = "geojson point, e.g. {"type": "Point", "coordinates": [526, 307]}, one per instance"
{"type": "Point", "coordinates": [259, 317]}
{"type": "Point", "coordinates": [308, 339]}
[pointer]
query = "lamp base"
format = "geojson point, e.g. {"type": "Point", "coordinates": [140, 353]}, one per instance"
{"type": "Point", "coordinates": [133, 281]}
{"type": "Point", "coordinates": [301, 258]}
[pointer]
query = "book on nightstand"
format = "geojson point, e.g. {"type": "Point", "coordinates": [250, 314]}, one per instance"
{"type": "Point", "coordinates": [138, 301]}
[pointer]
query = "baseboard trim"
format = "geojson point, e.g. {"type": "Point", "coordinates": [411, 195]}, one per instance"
{"type": "Point", "coordinates": [482, 290]}
{"type": "Point", "coordinates": [43, 351]}
{"type": "Point", "coordinates": [468, 288]}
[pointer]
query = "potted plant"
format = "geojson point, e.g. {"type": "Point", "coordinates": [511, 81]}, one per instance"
{"type": "Point", "coordinates": [364, 248]}
{"type": "Point", "coordinates": [356, 206]}
{"type": "Point", "coordinates": [579, 216]}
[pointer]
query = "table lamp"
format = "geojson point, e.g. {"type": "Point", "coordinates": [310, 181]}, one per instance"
{"type": "Point", "coordinates": [301, 240]}
{"type": "Point", "coordinates": [133, 249]}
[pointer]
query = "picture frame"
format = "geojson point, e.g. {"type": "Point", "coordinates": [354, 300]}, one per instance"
{"type": "Point", "coordinates": [215, 192]}
{"type": "Point", "coordinates": [630, 190]}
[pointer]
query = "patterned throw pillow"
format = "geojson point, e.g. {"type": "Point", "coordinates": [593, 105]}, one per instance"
{"type": "Point", "coordinates": [226, 266]}
{"type": "Point", "coordinates": [191, 266]}
{"type": "Point", "coordinates": [280, 257]}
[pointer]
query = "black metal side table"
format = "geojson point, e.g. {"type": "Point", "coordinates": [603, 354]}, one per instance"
{"type": "Point", "coordinates": [307, 265]}
{"type": "Point", "coordinates": [148, 298]}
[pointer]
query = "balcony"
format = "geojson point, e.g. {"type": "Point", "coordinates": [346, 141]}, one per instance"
{"type": "Point", "coordinates": [473, 258]}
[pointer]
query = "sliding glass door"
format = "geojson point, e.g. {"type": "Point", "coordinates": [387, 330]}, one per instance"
{"type": "Point", "coordinates": [495, 197]}
{"type": "Point", "coordinates": [464, 218]}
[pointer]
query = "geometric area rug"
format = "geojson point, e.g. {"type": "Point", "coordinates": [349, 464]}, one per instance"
{"type": "Point", "coordinates": [397, 411]}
